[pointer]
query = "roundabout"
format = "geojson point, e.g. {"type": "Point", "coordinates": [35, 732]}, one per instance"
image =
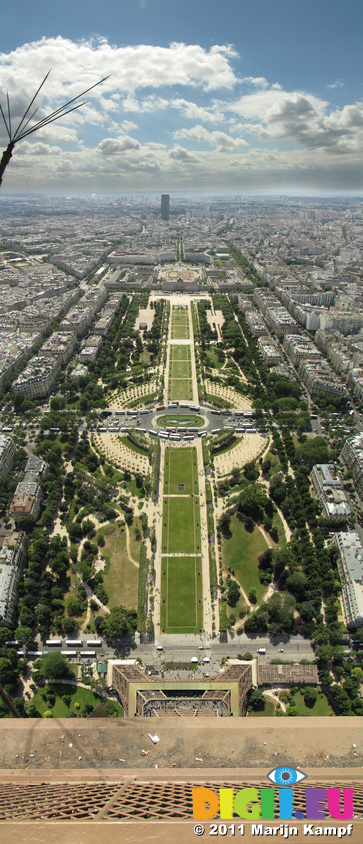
{"type": "Point", "coordinates": [177, 420]}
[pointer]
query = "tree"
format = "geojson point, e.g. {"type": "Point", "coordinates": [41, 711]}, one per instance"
{"type": "Point", "coordinates": [24, 635]}
{"type": "Point", "coordinates": [54, 666]}
{"type": "Point", "coordinates": [225, 525]}
{"type": "Point", "coordinates": [310, 696]}
{"type": "Point", "coordinates": [119, 622]}
{"type": "Point", "coordinates": [256, 700]}
{"type": "Point", "coordinates": [233, 593]}
{"type": "Point", "coordinates": [297, 584]}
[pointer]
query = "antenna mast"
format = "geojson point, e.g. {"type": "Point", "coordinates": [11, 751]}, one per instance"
{"type": "Point", "coordinates": [23, 129]}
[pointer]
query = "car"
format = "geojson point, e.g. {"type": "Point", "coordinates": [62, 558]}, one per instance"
{"type": "Point", "coordinates": [281, 650]}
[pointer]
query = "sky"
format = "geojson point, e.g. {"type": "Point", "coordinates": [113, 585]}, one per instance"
{"type": "Point", "coordinates": [215, 96]}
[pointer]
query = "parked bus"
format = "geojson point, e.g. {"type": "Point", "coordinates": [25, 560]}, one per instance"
{"type": "Point", "coordinates": [215, 430]}
{"type": "Point", "coordinates": [202, 433]}
{"type": "Point", "coordinates": [55, 643]}
{"type": "Point", "coordinates": [160, 407]}
{"type": "Point", "coordinates": [94, 643]}
{"type": "Point", "coordinates": [153, 433]}
{"type": "Point", "coordinates": [74, 643]}
{"type": "Point", "coordinates": [194, 407]}
{"type": "Point", "coordinates": [87, 653]}
{"type": "Point", "coordinates": [217, 413]}
{"type": "Point", "coordinates": [69, 653]}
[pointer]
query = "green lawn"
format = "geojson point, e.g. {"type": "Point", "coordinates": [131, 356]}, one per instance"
{"type": "Point", "coordinates": [267, 712]}
{"type": "Point", "coordinates": [120, 577]}
{"type": "Point", "coordinates": [181, 590]}
{"type": "Point", "coordinates": [181, 526]}
{"type": "Point", "coordinates": [241, 553]}
{"type": "Point", "coordinates": [180, 369]}
{"type": "Point", "coordinates": [276, 521]}
{"type": "Point", "coordinates": [321, 705]}
{"type": "Point", "coordinates": [180, 389]}
{"type": "Point", "coordinates": [180, 421]}
{"type": "Point", "coordinates": [132, 446]}
{"type": "Point", "coordinates": [77, 694]}
{"type": "Point", "coordinates": [213, 359]}
{"type": "Point", "coordinates": [181, 468]}
{"type": "Point", "coordinates": [181, 352]}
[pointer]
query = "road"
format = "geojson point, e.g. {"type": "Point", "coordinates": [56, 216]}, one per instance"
{"type": "Point", "coordinates": [182, 649]}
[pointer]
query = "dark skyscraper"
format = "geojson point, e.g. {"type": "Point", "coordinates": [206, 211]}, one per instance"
{"type": "Point", "coordinates": [164, 206]}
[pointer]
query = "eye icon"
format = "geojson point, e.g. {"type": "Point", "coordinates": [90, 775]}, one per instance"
{"type": "Point", "coordinates": [285, 776]}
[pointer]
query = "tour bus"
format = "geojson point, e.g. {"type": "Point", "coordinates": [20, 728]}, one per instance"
{"type": "Point", "coordinates": [239, 413]}
{"type": "Point", "coordinates": [87, 653]}
{"type": "Point", "coordinates": [12, 643]}
{"type": "Point", "coordinates": [102, 428]}
{"type": "Point", "coordinates": [194, 407]}
{"type": "Point", "coordinates": [120, 412]}
{"type": "Point", "coordinates": [74, 643]}
{"type": "Point", "coordinates": [189, 436]}
{"type": "Point", "coordinates": [215, 430]}
{"type": "Point", "coordinates": [69, 653]}
{"type": "Point", "coordinates": [160, 407]}
{"type": "Point", "coordinates": [216, 412]}
{"type": "Point", "coordinates": [142, 412]}
{"type": "Point", "coordinates": [132, 412]}
{"type": "Point", "coordinates": [55, 643]}
{"type": "Point", "coordinates": [153, 433]}
{"type": "Point", "coordinates": [94, 643]}
{"type": "Point", "coordinates": [261, 650]}
{"type": "Point", "coordinates": [202, 433]}
{"type": "Point", "coordinates": [163, 436]}
{"type": "Point", "coordinates": [175, 437]}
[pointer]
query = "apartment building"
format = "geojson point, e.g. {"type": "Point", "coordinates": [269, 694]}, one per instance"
{"type": "Point", "coordinates": [269, 351]}
{"type": "Point", "coordinates": [329, 490]}
{"type": "Point", "coordinates": [256, 323]}
{"type": "Point", "coordinates": [61, 346]}
{"type": "Point", "coordinates": [352, 456]}
{"type": "Point", "coordinates": [26, 500]}
{"type": "Point", "coordinates": [38, 377]}
{"type": "Point", "coordinates": [280, 321]}
{"type": "Point", "coordinates": [300, 347]}
{"type": "Point", "coordinates": [350, 566]}
{"type": "Point", "coordinates": [90, 348]}
{"type": "Point", "coordinates": [319, 378]}
{"type": "Point", "coordinates": [77, 320]}
{"type": "Point", "coordinates": [7, 455]}
{"type": "Point", "coordinates": [13, 553]}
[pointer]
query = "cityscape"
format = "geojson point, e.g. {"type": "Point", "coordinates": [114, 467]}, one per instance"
{"type": "Point", "coordinates": [182, 453]}
{"type": "Point", "coordinates": [181, 421]}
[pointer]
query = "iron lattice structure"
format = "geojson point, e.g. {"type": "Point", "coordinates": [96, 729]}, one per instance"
{"type": "Point", "coordinates": [25, 127]}
{"type": "Point", "coordinates": [136, 799]}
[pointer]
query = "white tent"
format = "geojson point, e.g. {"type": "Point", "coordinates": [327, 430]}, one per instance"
{"type": "Point", "coordinates": [206, 659]}
{"type": "Point", "coordinates": [194, 659]}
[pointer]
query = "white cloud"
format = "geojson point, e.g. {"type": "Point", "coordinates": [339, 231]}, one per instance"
{"type": "Point", "coordinates": [128, 126]}
{"type": "Point", "coordinates": [115, 146]}
{"type": "Point", "coordinates": [218, 139]}
{"type": "Point", "coordinates": [211, 114]}
{"type": "Point", "coordinates": [130, 67]}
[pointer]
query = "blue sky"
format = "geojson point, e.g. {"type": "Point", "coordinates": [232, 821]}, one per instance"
{"type": "Point", "coordinates": [210, 95]}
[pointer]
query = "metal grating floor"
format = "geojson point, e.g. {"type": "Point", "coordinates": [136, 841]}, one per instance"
{"type": "Point", "coordinates": [129, 800]}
